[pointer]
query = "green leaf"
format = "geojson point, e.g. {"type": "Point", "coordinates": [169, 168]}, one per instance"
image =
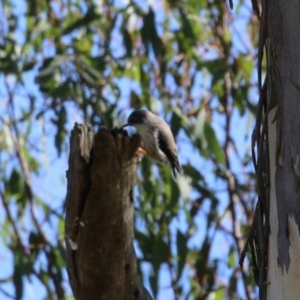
{"type": "Point", "coordinates": [83, 45]}
{"type": "Point", "coordinates": [153, 282]}
{"type": "Point", "coordinates": [62, 91]}
{"type": "Point", "coordinates": [29, 65]}
{"type": "Point", "coordinates": [160, 253]}
{"type": "Point", "coordinates": [233, 284]}
{"type": "Point", "coordinates": [231, 258]}
{"type": "Point", "coordinates": [90, 16]}
{"type": "Point", "coordinates": [220, 294]}
{"type": "Point", "coordinates": [6, 141]}
{"type": "Point", "coordinates": [16, 184]}
{"type": "Point", "coordinates": [246, 66]}
{"type": "Point", "coordinates": [186, 27]}
{"type": "Point", "coordinates": [50, 65]}
{"type": "Point", "coordinates": [149, 34]}
{"type": "Point", "coordinates": [213, 144]}
{"type": "Point", "coordinates": [182, 249]}
{"type": "Point", "coordinates": [192, 173]}
{"type": "Point", "coordinates": [199, 127]}
{"type": "Point", "coordinates": [62, 253]}
{"type": "Point", "coordinates": [60, 133]}
{"type": "Point", "coordinates": [144, 243]}
{"type": "Point", "coordinates": [18, 282]}
{"type": "Point", "coordinates": [175, 124]}
{"type": "Point", "coordinates": [127, 42]}
{"type": "Point", "coordinates": [98, 63]}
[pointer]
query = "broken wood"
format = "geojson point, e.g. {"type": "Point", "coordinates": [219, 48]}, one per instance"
{"type": "Point", "coordinates": [99, 224]}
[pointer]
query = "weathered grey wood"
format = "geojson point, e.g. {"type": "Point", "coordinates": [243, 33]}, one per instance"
{"type": "Point", "coordinates": [101, 262]}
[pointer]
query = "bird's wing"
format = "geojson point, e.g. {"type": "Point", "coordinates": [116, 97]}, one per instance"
{"type": "Point", "coordinates": [170, 151]}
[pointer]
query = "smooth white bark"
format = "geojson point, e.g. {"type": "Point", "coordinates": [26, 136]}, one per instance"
{"type": "Point", "coordinates": [282, 284]}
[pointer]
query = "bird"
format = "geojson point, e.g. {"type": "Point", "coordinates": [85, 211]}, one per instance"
{"type": "Point", "coordinates": [157, 138]}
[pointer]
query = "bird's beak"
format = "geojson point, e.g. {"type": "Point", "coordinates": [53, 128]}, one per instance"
{"type": "Point", "coordinates": [125, 125]}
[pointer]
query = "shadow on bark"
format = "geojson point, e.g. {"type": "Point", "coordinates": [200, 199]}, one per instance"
{"type": "Point", "coordinates": [99, 226]}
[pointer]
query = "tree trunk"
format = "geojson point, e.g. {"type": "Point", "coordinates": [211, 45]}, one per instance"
{"type": "Point", "coordinates": [274, 239]}
{"type": "Point", "coordinates": [284, 148]}
{"type": "Point", "coordinates": [101, 262]}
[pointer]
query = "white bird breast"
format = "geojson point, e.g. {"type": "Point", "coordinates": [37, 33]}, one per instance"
{"type": "Point", "coordinates": [150, 143]}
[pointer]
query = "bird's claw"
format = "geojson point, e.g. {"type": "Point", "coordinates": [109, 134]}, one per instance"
{"type": "Point", "coordinates": [138, 154]}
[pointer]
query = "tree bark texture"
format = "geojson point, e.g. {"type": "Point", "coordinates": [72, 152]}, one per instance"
{"type": "Point", "coordinates": [284, 83]}
{"type": "Point", "coordinates": [99, 227]}
{"type": "Point", "coordinates": [283, 52]}
{"type": "Point", "coordinates": [283, 92]}
{"type": "Point", "coordinates": [274, 238]}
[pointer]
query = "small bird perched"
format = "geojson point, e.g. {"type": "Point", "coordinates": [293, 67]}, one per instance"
{"type": "Point", "coordinates": [157, 138]}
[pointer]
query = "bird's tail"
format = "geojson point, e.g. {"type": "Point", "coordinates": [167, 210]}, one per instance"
{"type": "Point", "coordinates": [176, 168]}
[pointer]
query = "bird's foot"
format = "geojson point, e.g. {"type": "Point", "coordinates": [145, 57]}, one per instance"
{"type": "Point", "coordinates": [139, 152]}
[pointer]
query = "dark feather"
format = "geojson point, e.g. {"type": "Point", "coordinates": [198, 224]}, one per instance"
{"type": "Point", "coordinates": [170, 153]}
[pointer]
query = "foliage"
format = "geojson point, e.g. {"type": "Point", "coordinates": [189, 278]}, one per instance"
{"type": "Point", "coordinates": [192, 62]}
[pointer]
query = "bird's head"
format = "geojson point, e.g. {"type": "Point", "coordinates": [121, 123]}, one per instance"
{"type": "Point", "coordinates": [137, 118]}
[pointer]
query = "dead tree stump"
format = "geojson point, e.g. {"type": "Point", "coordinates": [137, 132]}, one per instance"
{"type": "Point", "coordinates": [99, 224]}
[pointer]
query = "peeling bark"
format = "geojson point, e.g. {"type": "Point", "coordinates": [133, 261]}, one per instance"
{"type": "Point", "coordinates": [284, 65]}
{"type": "Point", "coordinates": [99, 227]}
{"type": "Point", "coordinates": [274, 237]}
